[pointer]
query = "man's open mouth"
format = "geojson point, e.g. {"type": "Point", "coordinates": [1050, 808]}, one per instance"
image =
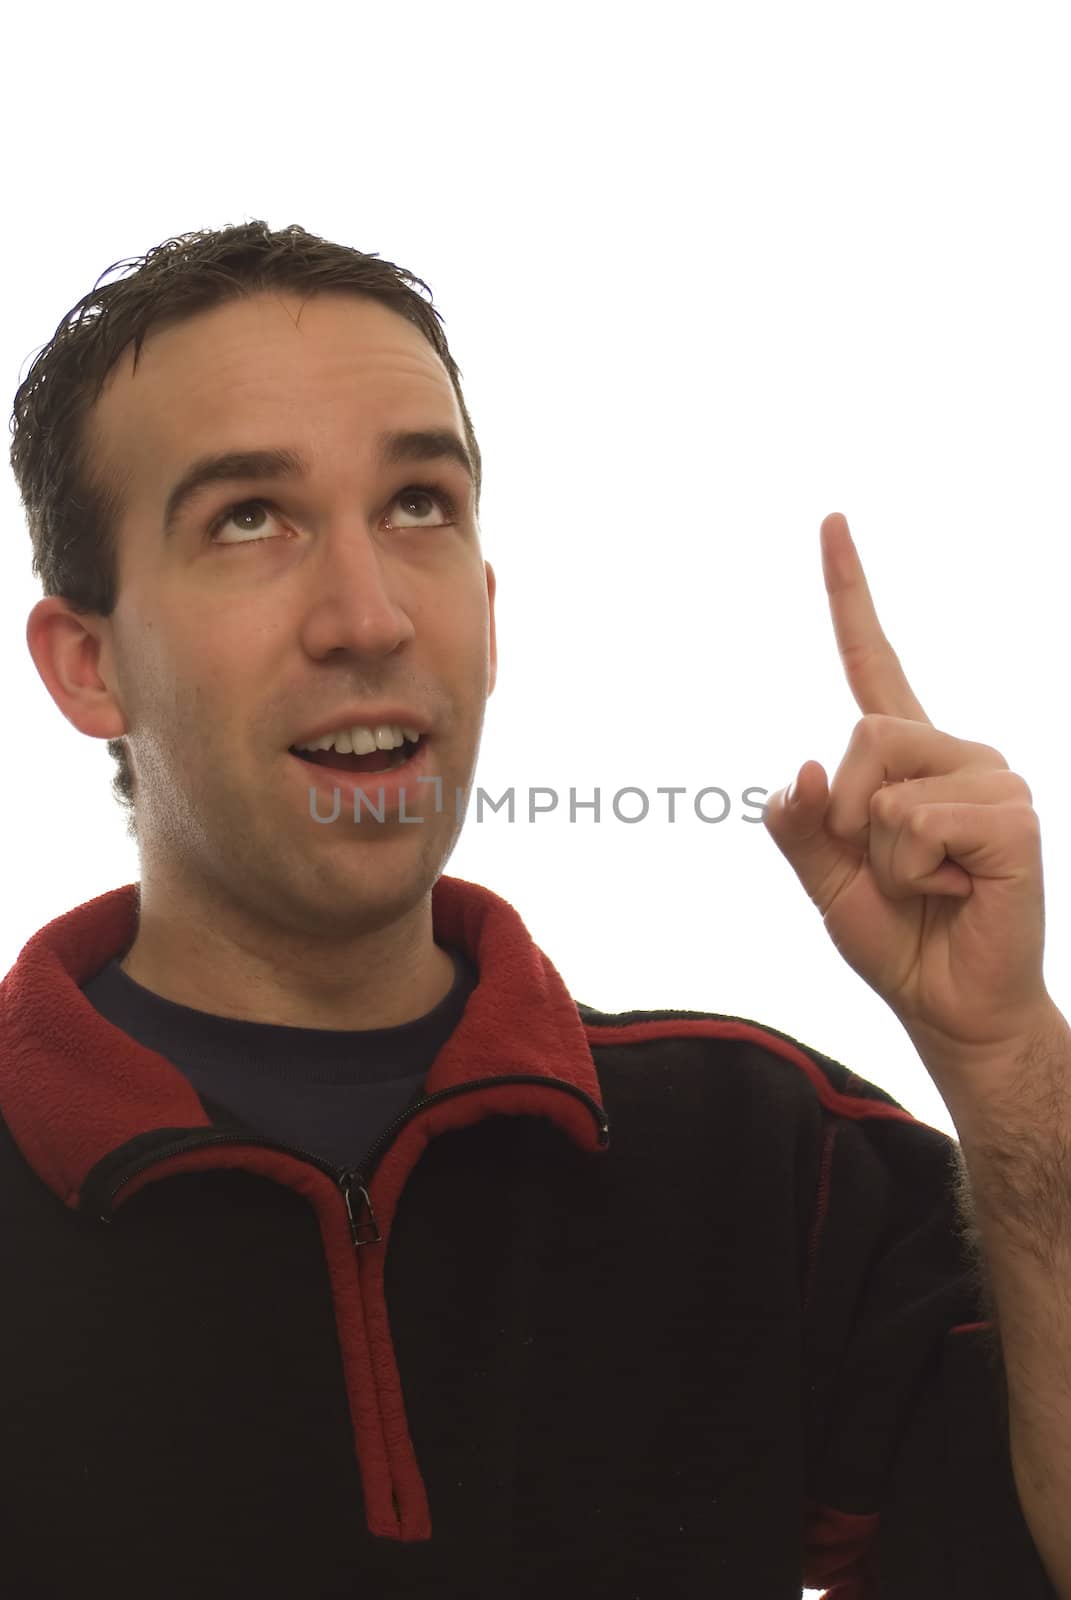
{"type": "Point", "coordinates": [375, 761]}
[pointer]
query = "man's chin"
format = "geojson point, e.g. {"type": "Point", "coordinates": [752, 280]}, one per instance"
{"type": "Point", "coordinates": [335, 905]}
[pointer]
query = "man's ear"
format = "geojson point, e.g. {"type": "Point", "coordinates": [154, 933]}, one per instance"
{"type": "Point", "coordinates": [66, 647]}
{"type": "Point", "coordinates": [494, 642]}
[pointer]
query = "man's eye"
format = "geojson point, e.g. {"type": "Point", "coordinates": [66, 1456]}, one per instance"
{"type": "Point", "coordinates": [414, 491]}
{"type": "Point", "coordinates": [229, 512]}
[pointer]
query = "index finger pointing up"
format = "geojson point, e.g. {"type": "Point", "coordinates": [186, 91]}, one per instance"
{"type": "Point", "coordinates": [871, 665]}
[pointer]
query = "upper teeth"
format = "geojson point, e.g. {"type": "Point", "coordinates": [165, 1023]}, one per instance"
{"type": "Point", "coordinates": [360, 741]}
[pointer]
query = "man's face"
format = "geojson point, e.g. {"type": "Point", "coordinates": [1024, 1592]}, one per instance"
{"type": "Point", "coordinates": [328, 592]}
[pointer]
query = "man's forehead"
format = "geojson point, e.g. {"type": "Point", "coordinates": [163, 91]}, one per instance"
{"type": "Point", "coordinates": [245, 367]}
{"type": "Point", "coordinates": [261, 341]}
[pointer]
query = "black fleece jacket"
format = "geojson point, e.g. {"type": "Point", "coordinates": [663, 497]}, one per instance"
{"type": "Point", "coordinates": [639, 1306]}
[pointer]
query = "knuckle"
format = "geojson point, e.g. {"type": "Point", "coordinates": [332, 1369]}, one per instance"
{"type": "Point", "coordinates": [856, 656]}
{"type": "Point", "coordinates": [1020, 787]}
{"type": "Point", "coordinates": [887, 803]}
{"type": "Point", "coordinates": [915, 821]}
{"type": "Point", "coordinates": [870, 729]}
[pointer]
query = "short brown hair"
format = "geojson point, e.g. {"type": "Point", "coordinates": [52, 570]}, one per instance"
{"type": "Point", "coordinates": [73, 514]}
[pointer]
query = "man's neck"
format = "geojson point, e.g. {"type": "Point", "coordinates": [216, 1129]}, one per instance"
{"type": "Point", "coordinates": [222, 965]}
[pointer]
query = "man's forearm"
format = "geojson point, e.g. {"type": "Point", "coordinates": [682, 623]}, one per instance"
{"type": "Point", "coordinates": [1016, 1152]}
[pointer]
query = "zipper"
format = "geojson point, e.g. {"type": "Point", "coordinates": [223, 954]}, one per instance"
{"type": "Point", "coordinates": [349, 1178]}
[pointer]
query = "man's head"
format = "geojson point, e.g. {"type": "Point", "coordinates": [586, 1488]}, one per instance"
{"type": "Point", "coordinates": [202, 650]}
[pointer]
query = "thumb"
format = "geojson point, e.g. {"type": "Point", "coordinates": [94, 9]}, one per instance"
{"type": "Point", "coordinates": [795, 820]}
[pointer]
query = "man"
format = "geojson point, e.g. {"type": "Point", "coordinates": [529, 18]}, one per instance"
{"type": "Point", "coordinates": [348, 1254]}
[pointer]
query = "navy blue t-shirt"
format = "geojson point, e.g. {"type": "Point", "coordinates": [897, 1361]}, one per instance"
{"type": "Point", "coordinates": [329, 1092]}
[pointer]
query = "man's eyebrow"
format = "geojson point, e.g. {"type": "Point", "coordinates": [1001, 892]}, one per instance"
{"type": "Point", "coordinates": [423, 444]}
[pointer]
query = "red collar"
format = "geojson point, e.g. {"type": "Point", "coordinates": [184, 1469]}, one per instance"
{"type": "Point", "coordinates": [74, 1088]}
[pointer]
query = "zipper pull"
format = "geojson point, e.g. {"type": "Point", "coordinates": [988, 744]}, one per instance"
{"type": "Point", "coordinates": [345, 1183]}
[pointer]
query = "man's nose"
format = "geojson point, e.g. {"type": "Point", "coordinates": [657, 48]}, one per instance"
{"type": "Point", "coordinates": [356, 601]}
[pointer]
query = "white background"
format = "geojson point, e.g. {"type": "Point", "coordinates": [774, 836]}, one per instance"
{"type": "Point", "coordinates": [709, 273]}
